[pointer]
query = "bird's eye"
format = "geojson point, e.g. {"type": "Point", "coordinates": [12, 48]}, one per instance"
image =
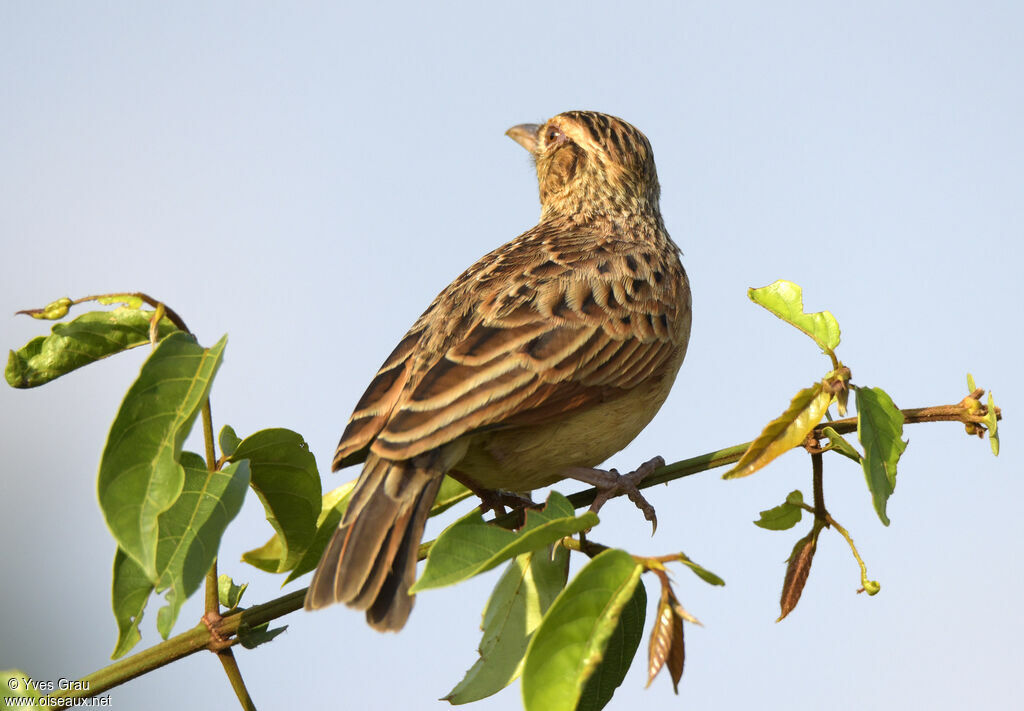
{"type": "Point", "coordinates": [553, 135]}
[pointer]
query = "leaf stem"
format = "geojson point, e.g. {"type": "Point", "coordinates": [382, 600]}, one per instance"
{"type": "Point", "coordinates": [870, 586]}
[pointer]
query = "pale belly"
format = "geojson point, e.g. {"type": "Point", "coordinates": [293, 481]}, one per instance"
{"type": "Point", "coordinates": [527, 458]}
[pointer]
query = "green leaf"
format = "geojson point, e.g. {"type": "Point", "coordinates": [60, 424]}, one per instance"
{"type": "Point", "coordinates": [837, 443]}
{"type": "Point", "coordinates": [130, 593]}
{"type": "Point", "coordinates": [228, 440]}
{"type": "Point", "coordinates": [526, 590]}
{"type": "Point", "coordinates": [71, 345]}
{"type": "Point", "coordinates": [618, 655]}
{"type": "Point", "coordinates": [880, 431]}
{"type": "Point", "coordinates": [229, 594]}
{"type": "Point", "coordinates": [470, 546]}
{"type": "Point", "coordinates": [190, 533]}
{"type": "Point", "coordinates": [784, 516]}
{"type": "Point", "coordinates": [140, 476]}
{"type": "Point", "coordinates": [285, 477]}
{"type": "Point", "coordinates": [450, 493]}
{"type": "Point", "coordinates": [570, 643]}
{"type": "Point", "coordinates": [786, 431]}
{"type": "Point", "coordinates": [703, 573]}
{"type": "Point", "coordinates": [16, 684]}
{"type": "Point", "coordinates": [332, 508]}
{"type": "Point", "coordinates": [191, 530]}
{"type": "Point", "coordinates": [252, 637]}
{"type": "Point", "coordinates": [785, 300]}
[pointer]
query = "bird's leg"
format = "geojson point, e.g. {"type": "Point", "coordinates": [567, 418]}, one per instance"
{"type": "Point", "coordinates": [494, 499]}
{"type": "Point", "coordinates": [611, 484]}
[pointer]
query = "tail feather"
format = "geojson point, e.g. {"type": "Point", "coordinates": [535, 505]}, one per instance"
{"type": "Point", "coordinates": [370, 562]}
{"type": "Point", "coordinates": [394, 603]}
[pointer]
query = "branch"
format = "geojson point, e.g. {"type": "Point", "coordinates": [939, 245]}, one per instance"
{"type": "Point", "coordinates": [194, 640]}
{"type": "Point", "coordinates": [220, 634]}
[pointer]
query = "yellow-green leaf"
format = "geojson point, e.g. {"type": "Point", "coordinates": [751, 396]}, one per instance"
{"type": "Point", "coordinates": [785, 300]}
{"type": "Point", "coordinates": [784, 432]}
{"type": "Point", "coordinates": [992, 423]}
{"type": "Point", "coordinates": [132, 301]}
{"type": "Point", "coordinates": [52, 311]}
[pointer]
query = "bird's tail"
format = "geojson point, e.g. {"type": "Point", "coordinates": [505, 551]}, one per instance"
{"type": "Point", "coordinates": [370, 563]}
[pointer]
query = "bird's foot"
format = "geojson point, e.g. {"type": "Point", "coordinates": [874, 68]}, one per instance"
{"type": "Point", "coordinates": [494, 499]}
{"type": "Point", "coordinates": [611, 484]}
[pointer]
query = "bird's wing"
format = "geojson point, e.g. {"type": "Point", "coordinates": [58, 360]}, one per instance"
{"type": "Point", "coordinates": [548, 324]}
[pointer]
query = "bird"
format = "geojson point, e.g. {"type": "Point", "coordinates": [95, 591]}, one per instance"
{"type": "Point", "coordinates": [539, 362]}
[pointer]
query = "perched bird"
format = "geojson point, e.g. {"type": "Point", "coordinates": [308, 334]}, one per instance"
{"type": "Point", "coordinates": [540, 361]}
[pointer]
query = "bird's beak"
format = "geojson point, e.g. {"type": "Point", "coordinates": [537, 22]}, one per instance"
{"type": "Point", "coordinates": [526, 135]}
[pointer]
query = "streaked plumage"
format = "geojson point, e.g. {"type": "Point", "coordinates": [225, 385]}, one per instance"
{"type": "Point", "coordinates": [553, 351]}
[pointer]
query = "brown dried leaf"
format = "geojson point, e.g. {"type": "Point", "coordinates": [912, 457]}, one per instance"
{"type": "Point", "coordinates": [667, 638]}
{"type": "Point", "coordinates": [676, 653]}
{"type": "Point", "coordinates": [661, 637]}
{"type": "Point", "coordinates": [686, 616]}
{"type": "Point", "coordinates": [796, 572]}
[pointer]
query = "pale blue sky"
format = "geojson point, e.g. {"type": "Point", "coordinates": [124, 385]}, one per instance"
{"type": "Point", "coordinates": [307, 176]}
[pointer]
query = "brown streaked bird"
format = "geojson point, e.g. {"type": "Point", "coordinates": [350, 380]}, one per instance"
{"type": "Point", "coordinates": [540, 361]}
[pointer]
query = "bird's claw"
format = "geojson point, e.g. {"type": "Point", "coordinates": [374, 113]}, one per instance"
{"type": "Point", "coordinates": [611, 484]}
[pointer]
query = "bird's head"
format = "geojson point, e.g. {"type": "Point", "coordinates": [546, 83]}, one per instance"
{"type": "Point", "coordinates": [590, 164]}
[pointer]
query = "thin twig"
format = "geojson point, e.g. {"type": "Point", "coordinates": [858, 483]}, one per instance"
{"type": "Point", "coordinates": [817, 473]}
